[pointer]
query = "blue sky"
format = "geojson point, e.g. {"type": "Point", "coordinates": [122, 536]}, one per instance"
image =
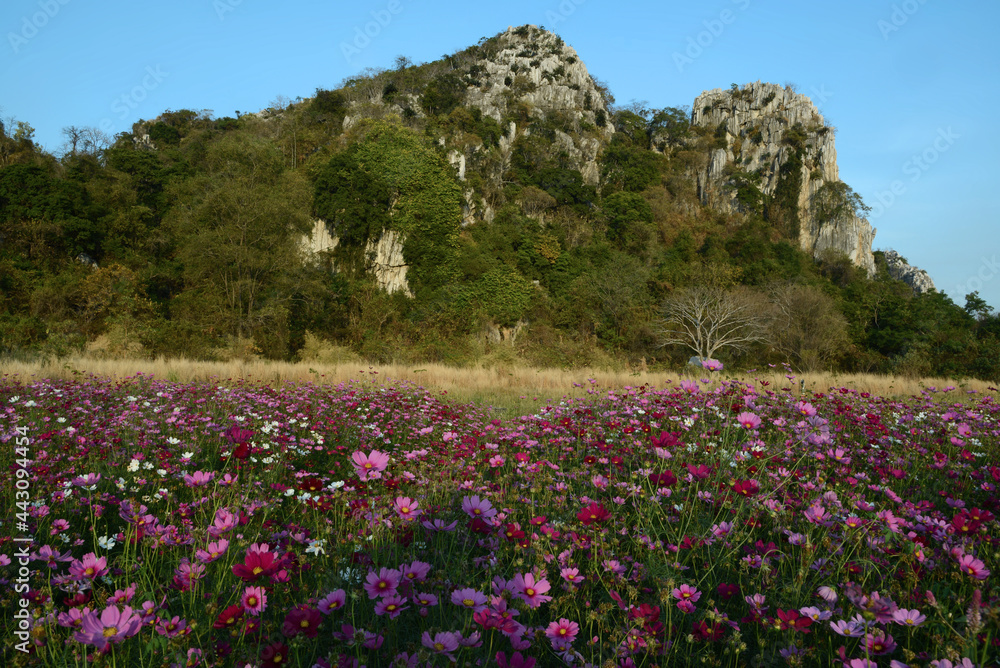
{"type": "Point", "coordinates": [910, 85]}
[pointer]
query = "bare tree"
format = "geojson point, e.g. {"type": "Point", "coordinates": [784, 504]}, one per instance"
{"type": "Point", "coordinates": [806, 326]}
{"type": "Point", "coordinates": [709, 319]}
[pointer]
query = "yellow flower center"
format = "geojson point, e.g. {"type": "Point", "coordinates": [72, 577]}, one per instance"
{"type": "Point", "coordinates": [468, 603]}
{"type": "Point", "coordinates": [529, 591]}
{"type": "Point", "coordinates": [438, 646]}
{"type": "Point", "coordinates": [257, 570]}
{"type": "Point", "coordinates": [304, 624]}
{"type": "Point", "coordinates": [110, 631]}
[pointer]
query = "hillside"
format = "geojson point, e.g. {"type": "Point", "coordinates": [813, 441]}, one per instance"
{"type": "Point", "coordinates": [494, 206]}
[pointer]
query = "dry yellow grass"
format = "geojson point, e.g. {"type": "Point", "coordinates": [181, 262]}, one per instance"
{"type": "Point", "coordinates": [513, 390]}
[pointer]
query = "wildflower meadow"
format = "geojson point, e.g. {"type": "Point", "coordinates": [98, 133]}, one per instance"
{"type": "Point", "coordinates": [731, 523]}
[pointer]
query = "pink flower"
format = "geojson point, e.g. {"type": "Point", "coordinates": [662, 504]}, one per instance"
{"type": "Point", "coordinates": [687, 607]}
{"type": "Point", "coordinates": [198, 479]}
{"type": "Point", "coordinates": [563, 631]}
{"type": "Point", "coordinates": [571, 575]}
{"type": "Point", "coordinates": [212, 552]}
{"type": "Point", "coordinates": [686, 593]}
{"type": "Point", "coordinates": [383, 583]}
{"type": "Point", "coordinates": [469, 598]}
{"type": "Point", "coordinates": [406, 508]}
{"type": "Point", "coordinates": [908, 617]}
{"type": "Point", "coordinates": [516, 661]}
{"type": "Point", "coordinates": [332, 601]}
{"type": "Point", "coordinates": [748, 420]}
{"type": "Point", "coordinates": [425, 600]}
{"type": "Point", "coordinates": [224, 522]}
{"type": "Point", "coordinates": [444, 643]}
{"type": "Point", "coordinates": [415, 572]}
{"type": "Point", "coordinates": [50, 556]}
{"type": "Point", "coordinates": [711, 365]}
{"type": "Point", "coordinates": [390, 605]}
{"type": "Point", "coordinates": [966, 563]}
{"type": "Point", "coordinates": [878, 643]}
{"type": "Point", "coordinates": [254, 600]}
{"type": "Point", "coordinates": [475, 507]}
{"type": "Point", "coordinates": [112, 626]}
{"type": "Point", "coordinates": [530, 590]}
{"type": "Point", "coordinates": [370, 466]}
{"type": "Point", "coordinates": [89, 568]}
{"type": "Point", "coordinates": [172, 627]}
{"type": "Point", "coordinates": [73, 618]}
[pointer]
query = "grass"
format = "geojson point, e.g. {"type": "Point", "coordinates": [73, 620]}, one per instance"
{"type": "Point", "coordinates": [508, 390]}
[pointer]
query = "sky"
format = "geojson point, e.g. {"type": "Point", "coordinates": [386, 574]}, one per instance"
{"type": "Point", "coordinates": [910, 85]}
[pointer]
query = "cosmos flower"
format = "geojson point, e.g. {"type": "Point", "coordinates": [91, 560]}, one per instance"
{"type": "Point", "coordinates": [111, 626]}
{"type": "Point", "coordinates": [370, 466]}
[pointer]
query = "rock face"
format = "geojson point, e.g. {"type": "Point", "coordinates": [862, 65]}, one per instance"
{"type": "Point", "coordinates": [384, 257]}
{"type": "Point", "coordinates": [901, 270]}
{"type": "Point", "coordinates": [754, 123]}
{"type": "Point", "coordinates": [536, 68]}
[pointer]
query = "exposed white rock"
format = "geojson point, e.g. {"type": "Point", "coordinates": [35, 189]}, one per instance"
{"type": "Point", "coordinates": [384, 257]}
{"type": "Point", "coordinates": [756, 118]}
{"type": "Point", "coordinates": [901, 270]}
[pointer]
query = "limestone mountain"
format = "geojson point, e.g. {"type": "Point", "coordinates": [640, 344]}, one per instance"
{"type": "Point", "coordinates": [776, 156]}
{"type": "Point", "coordinates": [496, 197]}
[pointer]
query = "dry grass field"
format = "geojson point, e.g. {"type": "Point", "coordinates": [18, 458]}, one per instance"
{"type": "Point", "coordinates": [510, 390]}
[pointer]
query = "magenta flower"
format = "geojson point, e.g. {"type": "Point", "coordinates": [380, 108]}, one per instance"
{"type": "Point", "coordinates": [515, 661]}
{"type": "Point", "coordinates": [332, 601]}
{"type": "Point", "coordinates": [439, 525]}
{"type": "Point", "coordinates": [187, 573]}
{"type": "Point", "coordinates": [112, 626]}
{"type": "Point", "coordinates": [51, 557]}
{"type": "Point", "coordinates": [254, 600]}
{"type": "Point", "coordinates": [415, 572]}
{"type": "Point", "coordinates": [301, 620]}
{"type": "Point", "coordinates": [475, 507]}
{"type": "Point", "coordinates": [878, 643]}
{"type": "Point", "coordinates": [530, 590]}
{"type": "Point", "coordinates": [687, 607]}
{"type": "Point", "coordinates": [469, 598]}
{"type": "Point", "coordinates": [748, 420]}
{"type": "Point", "coordinates": [966, 563]}
{"type": "Point", "coordinates": [392, 605]}
{"type": "Point", "coordinates": [370, 466]}
{"type": "Point", "coordinates": [172, 627]}
{"type": "Point", "coordinates": [711, 365]}
{"type": "Point", "coordinates": [383, 583]}
{"type": "Point", "coordinates": [198, 479]}
{"type": "Point", "coordinates": [88, 568]}
{"type": "Point", "coordinates": [72, 618]}
{"type": "Point", "coordinates": [444, 643]}
{"type": "Point", "coordinates": [88, 481]}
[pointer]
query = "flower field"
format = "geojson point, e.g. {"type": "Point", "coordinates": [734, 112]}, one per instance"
{"type": "Point", "coordinates": [150, 523]}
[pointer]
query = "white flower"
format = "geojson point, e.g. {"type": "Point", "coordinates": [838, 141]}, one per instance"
{"type": "Point", "coordinates": [30, 403]}
{"type": "Point", "coordinates": [60, 420]}
{"type": "Point", "coordinates": [133, 466]}
{"type": "Point", "coordinates": [147, 465]}
{"type": "Point", "coordinates": [336, 485]}
{"type": "Point", "coordinates": [173, 440]}
{"type": "Point", "coordinates": [14, 398]}
{"type": "Point", "coordinates": [105, 542]}
{"type": "Point", "coordinates": [162, 472]}
{"type": "Point", "coordinates": [316, 547]}
{"type": "Point", "coordinates": [289, 492]}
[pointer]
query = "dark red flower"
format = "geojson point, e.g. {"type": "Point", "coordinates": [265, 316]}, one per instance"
{"type": "Point", "coordinates": [727, 591]}
{"type": "Point", "coordinates": [301, 619]}
{"type": "Point", "coordinates": [746, 488]}
{"type": "Point", "coordinates": [665, 479]}
{"type": "Point", "coordinates": [255, 565]}
{"type": "Point", "coordinates": [595, 512]}
{"type": "Point", "coordinates": [274, 655]}
{"type": "Point", "coordinates": [791, 619]}
{"type": "Point", "coordinates": [228, 617]}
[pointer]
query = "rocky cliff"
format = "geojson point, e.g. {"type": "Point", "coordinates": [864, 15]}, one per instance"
{"type": "Point", "coordinates": [901, 270]}
{"type": "Point", "coordinates": [767, 135]}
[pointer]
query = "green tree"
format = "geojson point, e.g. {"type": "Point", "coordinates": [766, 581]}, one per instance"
{"type": "Point", "coordinates": [238, 227]}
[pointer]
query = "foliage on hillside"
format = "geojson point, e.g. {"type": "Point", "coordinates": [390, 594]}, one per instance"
{"type": "Point", "coordinates": [183, 237]}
